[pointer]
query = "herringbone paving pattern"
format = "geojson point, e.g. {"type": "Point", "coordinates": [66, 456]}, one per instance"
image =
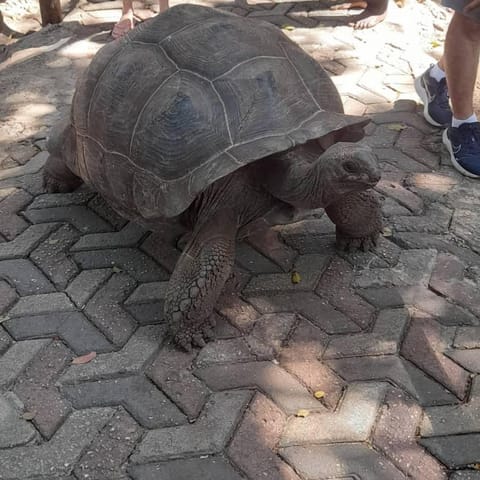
{"type": "Point", "coordinates": [367, 368]}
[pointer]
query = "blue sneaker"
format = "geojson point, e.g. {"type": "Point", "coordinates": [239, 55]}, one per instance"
{"type": "Point", "coordinates": [434, 96]}
{"type": "Point", "coordinates": [463, 143]}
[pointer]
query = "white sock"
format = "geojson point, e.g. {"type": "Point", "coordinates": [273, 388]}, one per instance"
{"type": "Point", "coordinates": [456, 122]}
{"type": "Point", "coordinates": [437, 73]}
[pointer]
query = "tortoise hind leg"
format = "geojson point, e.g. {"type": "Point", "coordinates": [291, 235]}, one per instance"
{"type": "Point", "coordinates": [198, 279]}
{"type": "Point", "coordinates": [58, 178]}
{"type": "Point", "coordinates": [358, 220]}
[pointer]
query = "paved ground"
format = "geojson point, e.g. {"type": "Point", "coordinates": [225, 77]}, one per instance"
{"type": "Point", "coordinates": [388, 342]}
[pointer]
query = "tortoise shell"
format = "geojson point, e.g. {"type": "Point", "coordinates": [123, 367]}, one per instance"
{"type": "Point", "coordinates": [189, 97]}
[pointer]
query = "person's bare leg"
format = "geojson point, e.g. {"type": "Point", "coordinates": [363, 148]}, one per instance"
{"type": "Point", "coordinates": [374, 13]}
{"type": "Point", "coordinates": [162, 5]}
{"type": "Point", "coordinates": [126, 22]}
{"type": "Point", "coordinates": [460, 63]}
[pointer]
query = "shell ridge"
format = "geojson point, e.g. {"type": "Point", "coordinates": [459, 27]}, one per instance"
{"type": "Point", "coordinates": [300, 78]}
{"type": "Point", "coordinates": [134, 130]}
{"type": "Point", "coordinates": [97, 83]}
{"type": "Point", "coordinates": [268, 57]}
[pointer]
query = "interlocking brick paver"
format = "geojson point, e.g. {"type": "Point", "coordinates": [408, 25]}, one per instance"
{"type": "Point", "coordinates": [425, 344]}
{"type": "Point", "coordinates": [454, 419]}
{"type": "Point", "coordinates": [137, 264]}
{"type": "Point", "coordinates": [130, 359]}
{"type": "Point", "coordinates": [105, 458]}
{"type": "Point", "coordinates": [36, 388]}
{"type": "Point", "coordinates": [207, 436]}
{"type": "Point", "coordinates": [258, 434]}
{"type": "Point", "coordinates": [398, 371]}
{"type": "Point", "coordinates": [39, 304]}
{"type": "Point", "coordinates": [395, 436]}
{"type": "Point", "coordinates": [12, 224]}
{"type": "Point", "coordinates": [384, 339]}
{"type": "Point", "coordinates": [24, 243]}
{"type": "Point", "coordinates": [269, 333]}
{"type": "Point", "coordinates": [14, 430]}
{"type": "Point", "coordinates": [352, 422]}
{"type": "Point", "coordinates": [287, 392]}
{"type": "Point", "coordinates": [381, 349]}
{"type": "Point", "coordinates": [139, 397]}
{"type": "Point", "coordinates": [58, 456]}
{"type": "Point", "coordinates": [85, 284]}
{"type": "Point", "coordinates": [311, 306]}
{"type": "Point", "coordinates": [129, 236]}
{"type": "Point", "coordinates": [52, 258]}
{"type": "Point", "coordinates": [106, 313]}
{"type": "Point", "coordinates": [335, 286]}
{"type": "Point", "coordinates": [301, 358]}
{"type": "Point", "coordinates": [319, 462]}
{"type": "Point", "coordinates": [171, 371]}
{"type": "Point", "coordinates": [25, 277]}
{"type": "Point", "coordinates": [422, 298]}
{"type": "Point", "coordinates": [8, 296]}
{"type": "Point", "coordinates": [83, 219]}
{"type": "Point", "coordinates": [213, 468]}
{"type": "Point", "coordinates": [17, 357]}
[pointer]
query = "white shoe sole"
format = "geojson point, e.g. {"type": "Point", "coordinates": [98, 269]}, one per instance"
{"type": "Point", "coordinates": [424, 98]}
{"type": "Point", "coordinates": [448, 144]}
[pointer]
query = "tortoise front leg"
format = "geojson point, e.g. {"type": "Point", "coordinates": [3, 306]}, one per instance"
{"type": "Point", "coordinates": [198, 279]}
{"type": "Point", "coordinates": [358, 218]}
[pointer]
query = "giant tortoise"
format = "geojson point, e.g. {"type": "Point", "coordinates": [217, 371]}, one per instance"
{"type": "Point", "coordinates": [222, 124]}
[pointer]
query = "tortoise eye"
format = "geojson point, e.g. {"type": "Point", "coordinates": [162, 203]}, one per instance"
{"type": "Point", "coordinates": [350, 167]}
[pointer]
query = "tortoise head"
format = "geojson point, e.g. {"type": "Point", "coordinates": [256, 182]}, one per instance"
{"type": "Point", "coordinates": [345, 168]}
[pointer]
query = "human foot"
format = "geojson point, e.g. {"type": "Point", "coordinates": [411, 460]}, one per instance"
{"type": "Point", "coordinates": [124, 25]}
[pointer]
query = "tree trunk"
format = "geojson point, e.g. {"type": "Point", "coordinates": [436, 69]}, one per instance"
{"type": "Point", "coordinates": [51, 11]}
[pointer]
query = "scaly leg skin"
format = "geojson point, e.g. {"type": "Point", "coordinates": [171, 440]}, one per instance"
{"type": "Point", "coordinates": [197, 281]}
{"type": "Point", "coordinates": [358, 218]}
{"type": "Point", "coordinates": [58, 178]}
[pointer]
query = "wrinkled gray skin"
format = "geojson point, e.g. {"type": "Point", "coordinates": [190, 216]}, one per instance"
{"type": "Point", "coordinates": [142, 136]}
{"type": "Point", "coordinates": [304, 177]}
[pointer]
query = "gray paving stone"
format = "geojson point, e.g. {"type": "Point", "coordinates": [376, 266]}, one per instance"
{"type": "Point", "coordinates": [223, 351]}
{"type": "Point", "coordinates": [285, 390]}
{"type": "Point", "coordinates": [399, 371]}
{"type": "Point", "coordinates": [454, 419]}
{"type": "Point", "coordinates": [468, 359]}
{"type": "Point", "coordinates": [25, 277]}
{"type": "Point", "coordinates": [39, 304]}
{"type": "Point", "coordinates": [352, 422]}
{"type": "Point", "coordinates": [105, 312]}
{"type": "Point", "coordinates": [384, 339]}
{"type": "Point", "coordinates": [17, 357]}
{"type": "Point", "coordinates": [33, 166]}
{"type": "Point", "coordinates": [309, 305]}
{"type": "Point", "coordinates": [465, 475]}
{"type": "Point", "coordinates": [129, 236]}
{"type": "Point", "coordinates": [340, 461]}
{"type": "Point", "coordinates": [141, 399]}
{"type": "Point", "coordinates": [213, 468]}
{"type": "Point", "coordinates": [8, 296]}
{"type": "Point", "coordinates": [50, 200]}
{"type": "Point", "coordinates": [52, 258]}
{"type": "Point", "coordinates": [85, 284]}
{"type": "Point", "coordinates": [105, 458]}
{"type": "Point", "coordinates": [14, 430]}
{"type": "Point", "coordinates": [57, 457]}
{"type": "Point", "coordinates": [137, 264]}
{"type": "Point", "coordinates": [24, 243]}
{"type": "Point", "coordinates": [72, 327]}
{"type": "Point", "coordinates": [5, 340]}
{"type": "Point", "coordinates": [130, 359]}
{"type": "Point", "coordinates": [207, 436]}
{"type": "Point", "coordinates": [83, 219]}
{"type": "Point", "coordinates": [454, 451]}
{"type": "Point", "coordinates": [146, 302]}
